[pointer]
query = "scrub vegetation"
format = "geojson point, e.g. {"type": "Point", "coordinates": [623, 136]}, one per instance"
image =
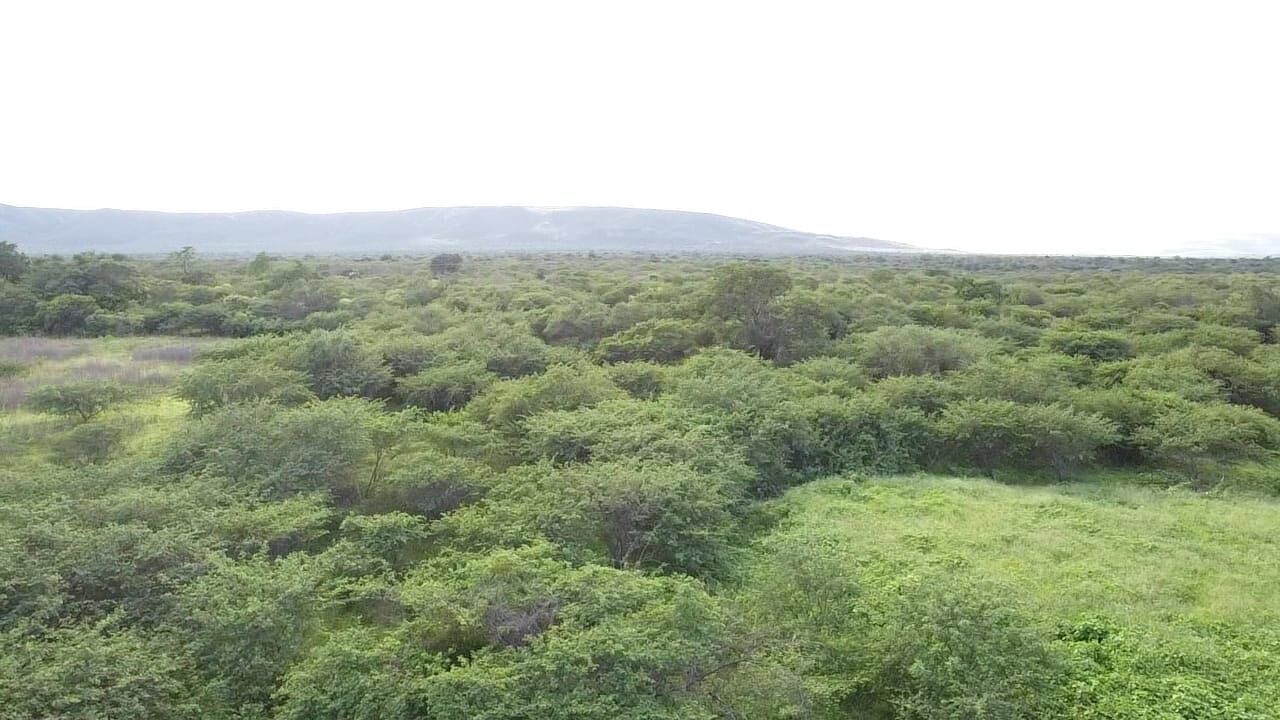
{"type": "Point", "coordinates": [659, 487]}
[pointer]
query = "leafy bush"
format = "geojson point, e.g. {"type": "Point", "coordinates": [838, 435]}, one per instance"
{"type": "Point", "coordinates": [663, 341]}
{"type": "Point", "coordinates": [213, 385]}
{"type": "Point", "coordinates": [916, 350]}
{"type": "Point", "coordinates": [568, 487]}
{"type": "Point", "coordinates": [947, 652]}
{"type": "Point", "coordinates": [989, 434]}
{"type": "Point", "coordinates": [338, 365]}
{"type": "Point", "coordinates": [652, 515]}
{"type": "Point", "coordinates": [861, 435]}
{"type": "Point", "coordinates": [446, 264]}
{"type": "Point", "coordinates": [641, 380]}
{"type": "Point", "coordinates": [626, 429]}
{"type": "Point", "coordinates": [88, 443]}
{"type": "Point", "coordinates": [837, 376]}
{"type": "Point", "coordinates": [506, 405]}
{"type": "Point", "coordinates": [83, 400]}
{"type": "Point", "coordinates": [448, 387]}
{"type": "Point", "coordinates": [88, 672]}
{"type": "Point", "coordinates": [324, 447]}
{"type": "Point", "coordinates": [1100, 346]}
{"type": "Point", "coordinates": [66, 314]}
{"type": "Point", "coordinates": [1219, 432]}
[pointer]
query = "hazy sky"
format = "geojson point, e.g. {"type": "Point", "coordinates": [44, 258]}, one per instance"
{"type": "Point", "coordinates": [1012, 126]}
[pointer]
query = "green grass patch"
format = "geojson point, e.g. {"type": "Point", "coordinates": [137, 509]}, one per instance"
{"type": "Point", "coordinates": [1165, 599]}
{"type": "Point", "coordinates": [146, 367]}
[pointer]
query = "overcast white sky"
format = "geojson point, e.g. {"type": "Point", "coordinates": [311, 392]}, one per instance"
{"type": "Point", "coordinates": [1005, 126]}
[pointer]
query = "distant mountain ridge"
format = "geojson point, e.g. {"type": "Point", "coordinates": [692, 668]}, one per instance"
{"type": "Point", "coordinates": [461, 229]}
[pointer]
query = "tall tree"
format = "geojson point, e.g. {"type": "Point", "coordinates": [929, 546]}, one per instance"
{"type": "Point", "coordinates": [13, 264]}
{"type": "Point", "coordinates": [185, 258]}
{"type": "Point", "coordinates": [746, 296]}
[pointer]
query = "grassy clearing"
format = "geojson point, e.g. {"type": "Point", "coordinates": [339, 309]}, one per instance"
{"type": "Point", "coordinates": [25, 437]}
{"type": "Point", "coordinates": [1186, 583]}
{"type": "Point", "coordinates": [147, 368]}
{"type": "Point", "coordinates": [143, 364]}
{"type": "Point", "coordinates": [150, 422]}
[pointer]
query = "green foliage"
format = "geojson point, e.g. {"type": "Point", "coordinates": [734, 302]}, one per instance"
{"type": "Point", "coordinates": [1246, 381]}
{"type": "Point", "coordinates": [505, 351]}
{"type": "Point", "coordinates": [741, 397]}
{"type": "Point", "coordinates": [659, 340]}
{"type": "Point", "coordinates": [430, 484]}
{"type": "Point", "coordinates": [13, 264]}
{"type": "Point", "coordinates": [66, 314]}
{"type": "Point", "coordinates": [448, 387]}
{"type": "Point", "coordinates": [19, 309]}
{"type": "Point", "coordinates": [11, 369]}
{"type": "Point", "coordinates": [546, 640]}
{"type": "Point", "coordinates": [213, 385]}
{"type": "Point", "coordinates": [446, 264]}
{"type": "Point", "coordinates": [861, 435]}
{"type": "Point", "coordinates": [1170, 374]}
{"type": "Point", "coordinates": [507, 404]}
{"type": "Point", "coordinates": [1036, 379]}
{"type": "Point", "coordinates": [580, 323]}
{"type": "Point", "coordinates": [917, 350]}
{"type": "Point", "coordinates": [836, 376]}
{"type": "Point", "coordinates": [389, 536]}
{"type": "Point", "coordinates": [652, 515]}
{"type": "Point", "coordinates": [616, 646]}
{"type": "Point", "coordinates": [575, 487]}
{"type": "Point", "coordinates": [407, 355]}
{"type": "Point", "coordinates": [925, 393]}
{"type": "Point", "coordinates": [641, 380]}
{"type": "Point", "coordinates": [1226, 433]}
{"type": "Point", "coordinates": [1098, 345]}
{"type": "Point", "coordinates": [324, 446]}
{"type": "Point", "coordinates": [248, 622]}
{"type": "Point", "coordinates": [110, 281]}
{"type": "Point", "coordinates": [88, 443]}
{"type": "Point", "coordinates": [86, 673]}
{"type": "Point", "coordinates": [338, 365]}
{"type": "Point", "coordinates": [89, 572]}
{"type": "Point", "coordinates": [1011, 331]}
{"type": "Point", "coordinates": [617, 429]}
{"type": "Point", "coordinates": [947, 652]}
{"type": "Point", "coordinates": [989, 434]}
{"type": "Point", "coordinates": [185, 260]}
{"type": "Point", "coordinates": [81, 400]}
{"type": "Point", "coordinates": [353, 675]}
{"type": "Point", "coordinates": [933, 597]}
{"type": "Point", "coordinates": [748, 299]}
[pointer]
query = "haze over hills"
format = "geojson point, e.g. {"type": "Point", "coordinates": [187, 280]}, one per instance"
{"type": "Point", "coordinates": [1257, 245]}
{"type": "Point", "coordinates": [463, 229]}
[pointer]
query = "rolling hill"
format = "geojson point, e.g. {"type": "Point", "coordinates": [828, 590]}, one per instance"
{"type": "Point", "coordinates": [463, 229]}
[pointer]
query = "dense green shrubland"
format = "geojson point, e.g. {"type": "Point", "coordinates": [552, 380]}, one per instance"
{"type": "Point", "coordinates": [562, 487]}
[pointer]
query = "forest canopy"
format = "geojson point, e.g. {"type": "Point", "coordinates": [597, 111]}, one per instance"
{"type": "Point", "coordinates": [661, 487]}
